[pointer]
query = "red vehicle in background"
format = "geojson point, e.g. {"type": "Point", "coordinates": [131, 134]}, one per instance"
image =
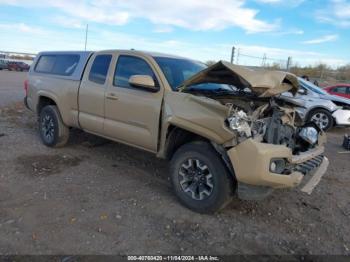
{"type": "Point", "coordinates": [18, 66]}
{"type": "Point", "coordinates": [342, 90]}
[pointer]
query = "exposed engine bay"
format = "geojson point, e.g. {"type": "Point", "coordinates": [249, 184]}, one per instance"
{"type": "Point", "coordinates": [268, 120]}
{"type": "Point", "coordinates": [274, 123]}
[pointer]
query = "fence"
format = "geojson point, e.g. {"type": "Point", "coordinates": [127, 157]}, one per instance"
{"type": "Point", "coordinates": [240, 57]}
{"type": "Point", "coordinates": [321, 73]}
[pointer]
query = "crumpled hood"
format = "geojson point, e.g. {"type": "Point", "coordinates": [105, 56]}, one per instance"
{"type": "Point", "coordinates": [261, 82]}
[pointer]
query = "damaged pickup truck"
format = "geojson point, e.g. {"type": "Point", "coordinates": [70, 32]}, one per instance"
{"type": "Point", "coordinates": [224, 128]}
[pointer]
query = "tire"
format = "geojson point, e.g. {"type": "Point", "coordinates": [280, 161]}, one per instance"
{"type": "Point", "coordinates": [322, 118]}
{"type": "Point", "coordinates": [53, 132]}
{"type": "Point", "coordinates": [217, 181]}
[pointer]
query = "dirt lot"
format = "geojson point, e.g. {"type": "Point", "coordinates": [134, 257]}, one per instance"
{"type": "Point", "coordinates": [100, 197]}
{"type": "Point", "coordinates": [11, 87]}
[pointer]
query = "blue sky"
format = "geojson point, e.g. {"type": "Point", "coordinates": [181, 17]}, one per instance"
{"type": "Point", "coordinates": [309, 31]}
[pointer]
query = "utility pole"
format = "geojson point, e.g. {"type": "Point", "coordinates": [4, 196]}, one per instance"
{"type": "Point", "coordinates": [289, 63]}
{"type": "Point", "coordinates": [86, 35]}
{"type": "Point", "coordinates": [263, 61]}
{"type": "Point", "coordinates": [322, 71]}
{"type": "Point", "coordinates": [233, 54]}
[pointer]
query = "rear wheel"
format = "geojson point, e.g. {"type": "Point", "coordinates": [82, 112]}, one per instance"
{"type": "Point", "coordinates": [53, 132]}
{"type": "Point", "coordinates": [200, 178]}
{"type": "Point", "coordinates": [322, 118]}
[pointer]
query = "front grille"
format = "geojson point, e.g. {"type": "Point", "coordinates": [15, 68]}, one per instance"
{"type": "Point", "coordinates": [308, 166]}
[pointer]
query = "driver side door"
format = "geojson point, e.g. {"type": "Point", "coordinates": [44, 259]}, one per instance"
{"type": "Point", "coordinates": [132, 114]}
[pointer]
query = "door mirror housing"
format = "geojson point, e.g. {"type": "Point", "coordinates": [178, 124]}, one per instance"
{"type": "Point", "coordinates": [143, 81]}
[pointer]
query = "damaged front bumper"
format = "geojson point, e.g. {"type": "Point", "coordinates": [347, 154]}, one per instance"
{"type": "Point", "coordinates": [342, 117]}
{"type": "Point", "coordinates": [316, 177]}
{"type": "Point", "coordinates": [251, 161]}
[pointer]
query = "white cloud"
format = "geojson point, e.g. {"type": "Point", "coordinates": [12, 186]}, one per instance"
{"type": "Point", "coordinates": [323, 39]}
{"type": "Point", "coordinates": [292, 3]}
{"type": "Point", "coordinates": [190, 14]}
{"type": "Point", "coordinates": [163, 29]}
{"type": "Point", "coordinates": [293, 31]}
{"type": "Point", "coordinates": [68, 22]}
{"type": "Point", "coordinates": [22, 28]}
{"type": "Point", "coordinates": [336, 13]}
{"type": "Point", "coordinates": [269, 1]}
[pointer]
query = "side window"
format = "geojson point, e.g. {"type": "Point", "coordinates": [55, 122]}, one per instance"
{"type": "Point", "coordinates": [128, 66]}
{"type": "Point", "coordinates": [65, 64]}
{"type": "Point", "coordinates": [57, 64]}
{"type": "Point", "coordinates": [340, 90]}
{"type": "Point", "coordinates": [99, 69]}
{"type": "Point", "coordinates": [45, 64]}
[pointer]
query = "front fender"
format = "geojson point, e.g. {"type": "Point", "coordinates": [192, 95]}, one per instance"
{"type": "Point", "coordinates": [200, 115]}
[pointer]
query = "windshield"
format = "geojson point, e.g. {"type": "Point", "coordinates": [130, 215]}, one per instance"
{"type": "Point", "coordinates": [310, 86]}
{"type": "Point", "coordinates": [177, 70]}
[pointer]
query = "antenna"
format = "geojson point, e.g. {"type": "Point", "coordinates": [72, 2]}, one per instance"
{"type": "Point", "coordinates": [86, 35]}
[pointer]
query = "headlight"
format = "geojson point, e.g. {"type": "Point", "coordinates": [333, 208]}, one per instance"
{"type": "Point", "coordinates": [309, 134]}
{"type": "Point", "coordinates": [239, 122]}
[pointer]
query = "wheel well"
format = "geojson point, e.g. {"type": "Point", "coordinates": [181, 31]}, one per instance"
{"type": "Point", "coordinates": [320, 108]}
{"type": "Point", "coordinates": [176, 137]}
{"type": "Point", "coordinates": [317, 108]}
{"type": "Point", "coordinates": [44, 101]}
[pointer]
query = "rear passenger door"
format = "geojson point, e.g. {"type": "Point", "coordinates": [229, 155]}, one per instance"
{"type": "Point", "coordinates": [92, 93]}
{"type": "Point", "coordinates": [132, 114]}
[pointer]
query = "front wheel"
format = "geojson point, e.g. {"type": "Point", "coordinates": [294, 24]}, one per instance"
{"type": "Point", "coordinates": [53, 132]}
{"type": "Point", "coordinates": [200, 178]}
{"type": "Point", "coordinates": [322, 118]}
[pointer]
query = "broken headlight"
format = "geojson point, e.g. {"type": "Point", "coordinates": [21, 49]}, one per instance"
{"type": "Point", "coordinates": [239, 122]}
{"type": "Point", "coordinates": [309, 134]}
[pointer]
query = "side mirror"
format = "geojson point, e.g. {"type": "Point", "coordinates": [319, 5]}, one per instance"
{"type": "Point", "coordinates": [143, 81]}
{"type": "Point", "coordinates": [302, 91]}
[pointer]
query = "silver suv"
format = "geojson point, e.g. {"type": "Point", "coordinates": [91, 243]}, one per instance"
{"type": "Point", "coordinates": [316, 105]}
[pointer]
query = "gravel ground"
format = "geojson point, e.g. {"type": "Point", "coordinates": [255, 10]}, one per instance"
{"type": "Point", "coordinates": [101, 197]}
{"type": "Point", "coordinates": [11, 87]}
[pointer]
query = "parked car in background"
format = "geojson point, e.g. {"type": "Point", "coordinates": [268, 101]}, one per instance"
{"type": "Point", "coordinates": [18, 66]}
{"type": "Point", "coordinates": [339, 90]}
{"type": "Point", "coordinates": [318, 106]}
{"type": "Point", "coordinates": [3, 64]}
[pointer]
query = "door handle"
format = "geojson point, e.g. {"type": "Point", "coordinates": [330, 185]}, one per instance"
{"type": "Point", "coordinates": [112, 96]}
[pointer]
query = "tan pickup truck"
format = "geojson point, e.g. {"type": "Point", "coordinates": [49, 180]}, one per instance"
{"type": "Point", "coordinates": [224, 128]}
